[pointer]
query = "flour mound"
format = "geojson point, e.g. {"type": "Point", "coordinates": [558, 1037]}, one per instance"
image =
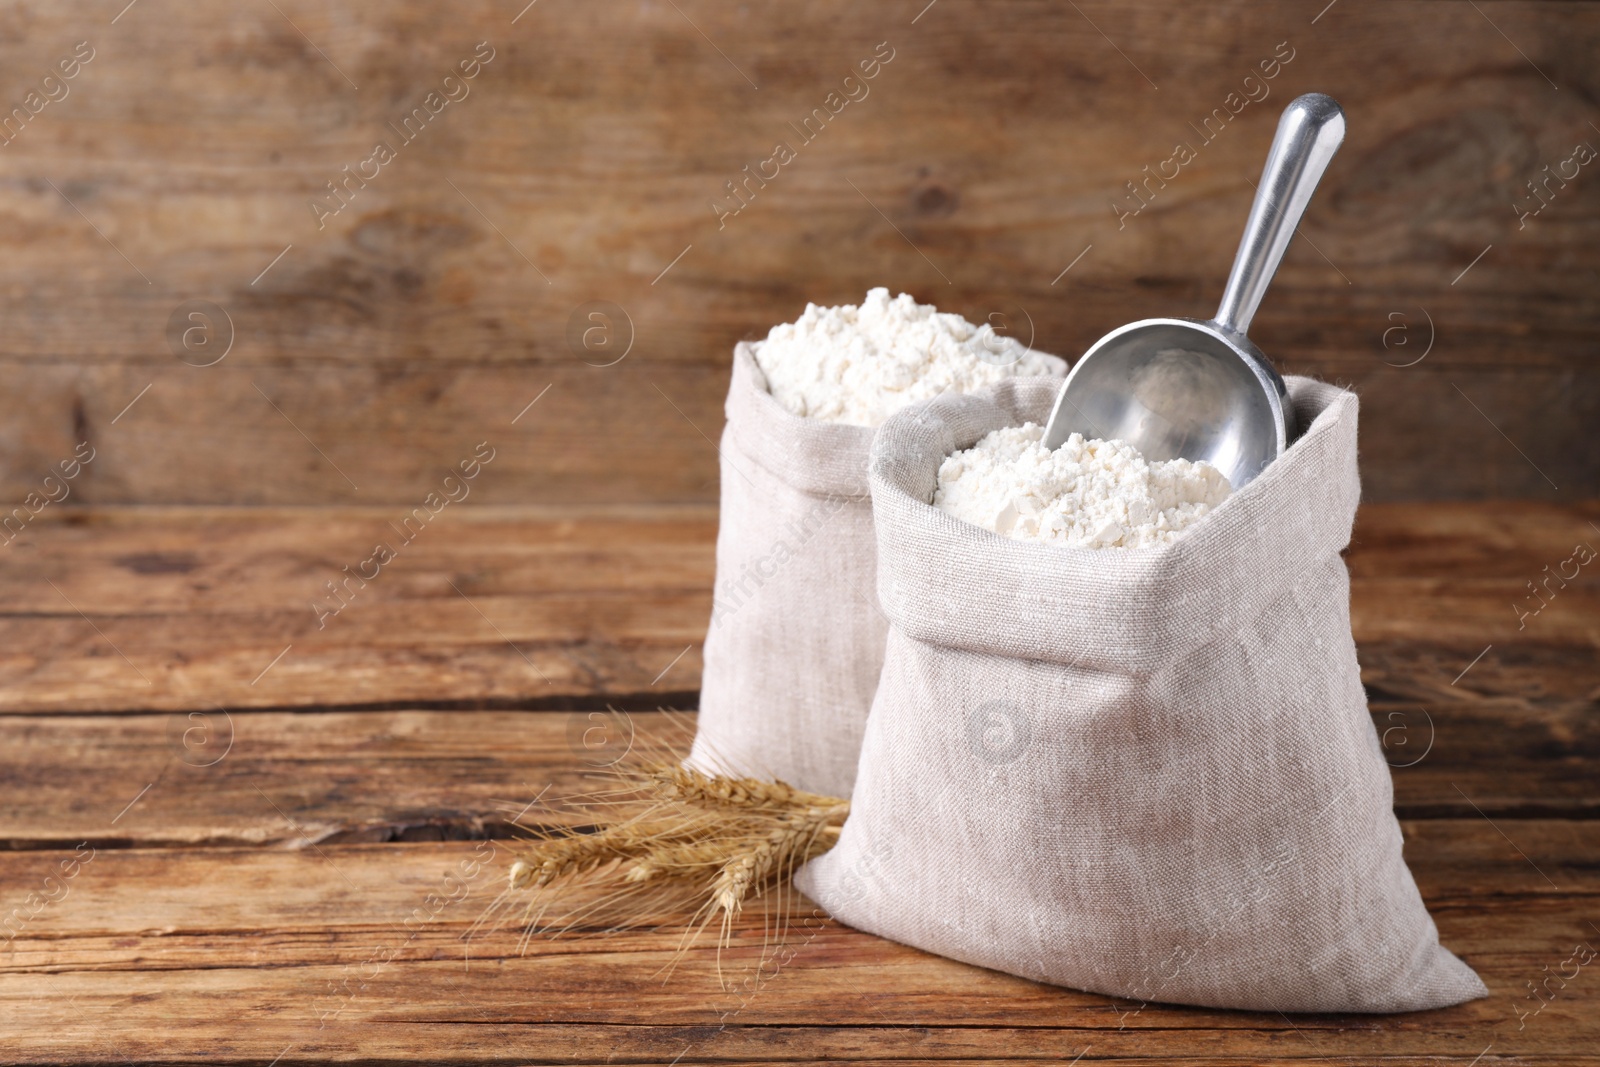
{"type": "Point", "coordinates": [1087, 493]}
{"type": "Point", "coordinates": [859, 365]}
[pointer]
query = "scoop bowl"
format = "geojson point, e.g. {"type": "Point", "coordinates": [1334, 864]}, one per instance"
{"type": "Point", "coordinates": [1201, 390]}
{"type": "Point", "coordinates": [1180, 389]}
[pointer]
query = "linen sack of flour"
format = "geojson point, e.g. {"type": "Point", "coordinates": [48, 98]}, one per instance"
{"type": "Point", "coordinates": [1148, 773]}
{"type": "Point", "coordinates": [796, 638]}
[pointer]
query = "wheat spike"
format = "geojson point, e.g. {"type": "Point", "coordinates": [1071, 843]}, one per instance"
{"type": "Point", "coordinates": [677, 860]}
{"type": "Point", "coordinates": [742, 872]}
{"type": "Point", "coordinates": [670, 835]}
{"type": "Point", "coordinates": [697, 787]}
{"type": "Point", "coordinates": [566, 856]}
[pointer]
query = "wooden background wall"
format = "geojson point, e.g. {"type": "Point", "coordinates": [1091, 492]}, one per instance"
{"type": "Point", "coordinates": [374, 353]}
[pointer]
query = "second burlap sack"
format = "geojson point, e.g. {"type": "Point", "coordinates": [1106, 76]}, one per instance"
{"type": "Point", "coordinates": [1149, 773]}
{"type": "Point", "coordinates": [796, 637]}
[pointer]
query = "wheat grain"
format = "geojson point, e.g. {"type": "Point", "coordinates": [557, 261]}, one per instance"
{"type": "Point", "coordinates": [748, 872]}
{"type": "Point", "coordinates": [575, 854]}
{"type": "Point", "coordinates": [692, 786]}
{"type": "Point", "coordinates": [704, 857]}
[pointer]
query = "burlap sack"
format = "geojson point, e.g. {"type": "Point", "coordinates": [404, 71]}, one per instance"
{"type": "Point", "coordinates": [796, 638]}
{"type": "Point", "coordinates": [1149, 773]}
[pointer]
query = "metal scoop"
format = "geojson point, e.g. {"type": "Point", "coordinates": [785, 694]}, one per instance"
{"type": "Point", "coordinates": [1200, 390]}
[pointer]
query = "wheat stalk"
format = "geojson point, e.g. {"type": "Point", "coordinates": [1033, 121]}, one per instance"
{"type": "Point", "coordinates": [670, 833]}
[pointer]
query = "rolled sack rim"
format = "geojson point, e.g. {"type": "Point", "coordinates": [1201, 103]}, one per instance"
{"type": "Point", "coordinates": [822, 458]}
{"type": "Point", "coordinates": [944, 581]}
{"type": "Point", "coordinates": [810, 455]}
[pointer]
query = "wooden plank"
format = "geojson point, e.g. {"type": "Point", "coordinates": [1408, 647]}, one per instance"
{"type": "Point", "coordinates": [286, 779]}
{"type": "Point", "coordinates": [1500, 757]}
{"type": "Point", "coordinates": [639, 431]}
{"type": "Point", "coordinates": [177, 609]}
{"type": "Point", "coordinates": [1480, 539]}
{"type": "Point", "coordinates": [158, 955]}
{"type": "Point", "coordinates": [294, 779]}
{"type": "Point", "coordinates": [378, 433]}
{"type": "Point", "coordinates": [1469, 575]}
{"type": "Point", "coordinates": [529, 606]}
{"type": "Point", "coordinates": [1463, 690]}
{"type": "Point", "coordinates": [194, 141]}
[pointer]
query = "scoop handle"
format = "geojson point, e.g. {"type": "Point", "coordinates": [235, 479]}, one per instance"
{"type": "Point", "coordinates": [1309, 133]}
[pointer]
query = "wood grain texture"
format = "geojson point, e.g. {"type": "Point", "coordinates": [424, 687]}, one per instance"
{"type": "Point", "coordinates": [125, 609]}
{"type": "Point", "coordinates": [248, 862]}
{"type": "Point", "coordinates": [291, 779]}
{"type": "Point", "coordinates": [587, 157]}
{"type": "Point", "coordinates": [313, 947]}
{"type": "Point", "coordinates": [178, 608]}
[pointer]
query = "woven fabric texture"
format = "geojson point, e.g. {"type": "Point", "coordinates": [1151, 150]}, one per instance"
{"type": "Point", "coordinates": [796, 637]}
{"type": "Point", "coordinates": [1148, 773]}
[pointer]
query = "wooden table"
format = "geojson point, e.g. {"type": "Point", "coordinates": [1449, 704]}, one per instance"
{"type": "Point", "coordinates": [237, 827]}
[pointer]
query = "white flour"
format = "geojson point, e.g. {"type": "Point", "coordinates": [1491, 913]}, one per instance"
{"type": "Point", "coordinates": [860, 365]}
{"type": "Point", "coordinates": [1090, 494]}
